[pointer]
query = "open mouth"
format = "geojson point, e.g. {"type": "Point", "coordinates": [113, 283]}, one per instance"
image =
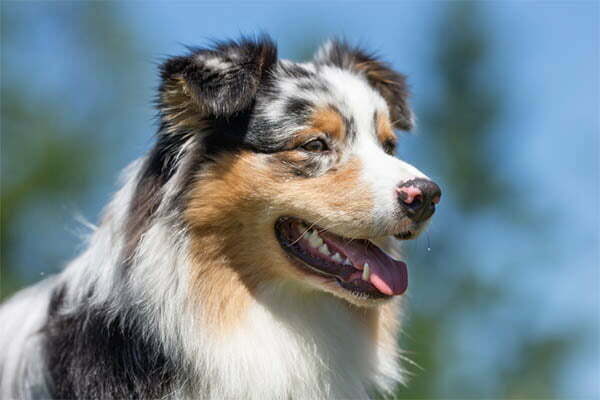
{"type": "Point", "coordinates": [356, 265]}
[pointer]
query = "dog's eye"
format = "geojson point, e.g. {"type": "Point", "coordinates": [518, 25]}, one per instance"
{"type": "Point", "coordinates": [315, 146]}
{"type": "Point", "coordinates": [389, 146]}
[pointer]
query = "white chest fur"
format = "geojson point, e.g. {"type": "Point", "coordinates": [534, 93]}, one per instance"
{"type": "Point", "coordinates": [300, 346]}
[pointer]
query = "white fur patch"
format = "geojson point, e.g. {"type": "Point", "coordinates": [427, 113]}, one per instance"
{"type": "Point", "coordinates": [296, 343]}
{"type": "Point", "coordinates": [22, 374]}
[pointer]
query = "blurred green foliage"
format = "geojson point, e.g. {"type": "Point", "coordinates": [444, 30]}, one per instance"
{"type": "Point", "coordinates": [51, 154]}
{"type": "Point", "coordinates": [53, 162]}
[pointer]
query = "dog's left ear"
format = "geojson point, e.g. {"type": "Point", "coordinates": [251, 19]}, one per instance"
{"type": "Point", "coordinates": [214, 82]}
{"type": "Point", "coordinates": [389, 83]}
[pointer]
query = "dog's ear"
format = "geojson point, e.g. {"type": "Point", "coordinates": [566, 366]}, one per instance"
{"type": "Point", "coordinates": [213, 82]}
{"type": "Point", "coordinates": [389, 83]}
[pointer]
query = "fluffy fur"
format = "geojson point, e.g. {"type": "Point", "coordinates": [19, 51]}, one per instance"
{"type": "Point", "coordinates": [183, 290]}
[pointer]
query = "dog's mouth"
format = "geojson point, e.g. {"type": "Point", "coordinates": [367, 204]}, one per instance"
{"type": "Point", "coordinates": [356, 265]}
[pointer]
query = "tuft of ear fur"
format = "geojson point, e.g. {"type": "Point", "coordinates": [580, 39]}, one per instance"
{"type": "Point", "coordinates": [215, 82]}
{"type": "Point", "coordinates": [389, 83]}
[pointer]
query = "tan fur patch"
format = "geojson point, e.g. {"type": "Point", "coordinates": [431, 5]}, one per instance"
{"type": "Point", "coordinates": [328, 121]}
{"type": "Point", "coordinates": [180, 110]}
{"type": "Point", "coordinates": [232, 211]}
{"type": "Point", "coordinates": [385, 132]}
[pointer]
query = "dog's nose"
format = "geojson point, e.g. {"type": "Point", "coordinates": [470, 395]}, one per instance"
{"type": "Point", "coordinates": [418, 197]}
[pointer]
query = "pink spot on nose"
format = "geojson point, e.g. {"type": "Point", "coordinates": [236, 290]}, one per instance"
{"type": "Point", "coordinates": [408, 194]}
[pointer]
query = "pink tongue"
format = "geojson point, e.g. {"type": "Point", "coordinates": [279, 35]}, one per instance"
{"type": "Point", "coordinates": [389, 276]}
{"type": "Point", "coordinates": [392, 279]}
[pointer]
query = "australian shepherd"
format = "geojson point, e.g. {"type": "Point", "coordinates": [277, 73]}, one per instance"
{"type": "Point", "coordinates": [251, 254]}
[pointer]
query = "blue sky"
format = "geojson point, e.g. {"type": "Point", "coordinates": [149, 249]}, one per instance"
{"type": "Point", "coordinates": [545, 62]}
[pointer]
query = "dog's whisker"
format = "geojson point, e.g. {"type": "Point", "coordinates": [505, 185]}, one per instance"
{"type": "Point", "coordinates": [306, 230]}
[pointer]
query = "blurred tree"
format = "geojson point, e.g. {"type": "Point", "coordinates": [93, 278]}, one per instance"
{"type": "Point", "coordinates": [460, 149]}
{"type": "Point", "coordinates": [51, 140]}
{"type": "Point", "coordinates": [49, 162]}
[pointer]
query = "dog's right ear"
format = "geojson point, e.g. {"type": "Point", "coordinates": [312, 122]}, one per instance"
{"type": "Point", "coordinates": [213, 82]}
{"type": "Point", "coordinates": [389, 83]}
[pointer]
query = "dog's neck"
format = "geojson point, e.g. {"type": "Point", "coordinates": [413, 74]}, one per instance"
{"type": "Point", "coordinates": [291, 343]}
{"type": "Point", "coordinates": [263, 336]}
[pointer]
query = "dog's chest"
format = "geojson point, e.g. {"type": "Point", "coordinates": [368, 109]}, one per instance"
{"type": "Point", "coordinates": [314, 348]}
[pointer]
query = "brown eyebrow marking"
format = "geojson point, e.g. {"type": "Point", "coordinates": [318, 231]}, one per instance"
{"type": "Point", "coordinates": [383, 128]}
{"type": "Point", "coordinates": [327, 120]}
{"type": "Point", "coordinates": [330, 121]}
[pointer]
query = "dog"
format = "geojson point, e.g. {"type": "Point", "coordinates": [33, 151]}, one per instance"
{"type": "Point", "coordinates": [251, 254]}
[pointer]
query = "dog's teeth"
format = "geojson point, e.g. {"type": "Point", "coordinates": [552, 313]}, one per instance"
{"type": "Point", "coordinates": [347, 262]}
{"type": "Point", "coordinates": [314, 240]}
{"type": "Point", "coordinates": [324, 249]}
{"type": "Point", "coordinates": [366, 272]}
{"type": "Point", "coordinates": [337, 258]}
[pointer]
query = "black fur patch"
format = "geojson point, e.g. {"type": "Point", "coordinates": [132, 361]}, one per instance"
{"type": "Point", "coordinates": [230, 134]}
{"type": "Point", "coordinates": [222, 80]}
{"type": "Point", "coordinates": [298, 107]}
{"type": "Point", "coordinates": [295, 71]}
{"type": "Point", "coordinates": [312, 86]}
{"type": "Point", "coordinates": [89, 356]}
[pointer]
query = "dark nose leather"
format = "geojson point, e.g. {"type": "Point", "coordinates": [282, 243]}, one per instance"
{"type": "Point", "coordinates": [418, 198]}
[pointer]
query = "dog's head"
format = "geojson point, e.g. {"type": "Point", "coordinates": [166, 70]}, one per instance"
{"type": "Point", "coordinates": [288, 169]}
